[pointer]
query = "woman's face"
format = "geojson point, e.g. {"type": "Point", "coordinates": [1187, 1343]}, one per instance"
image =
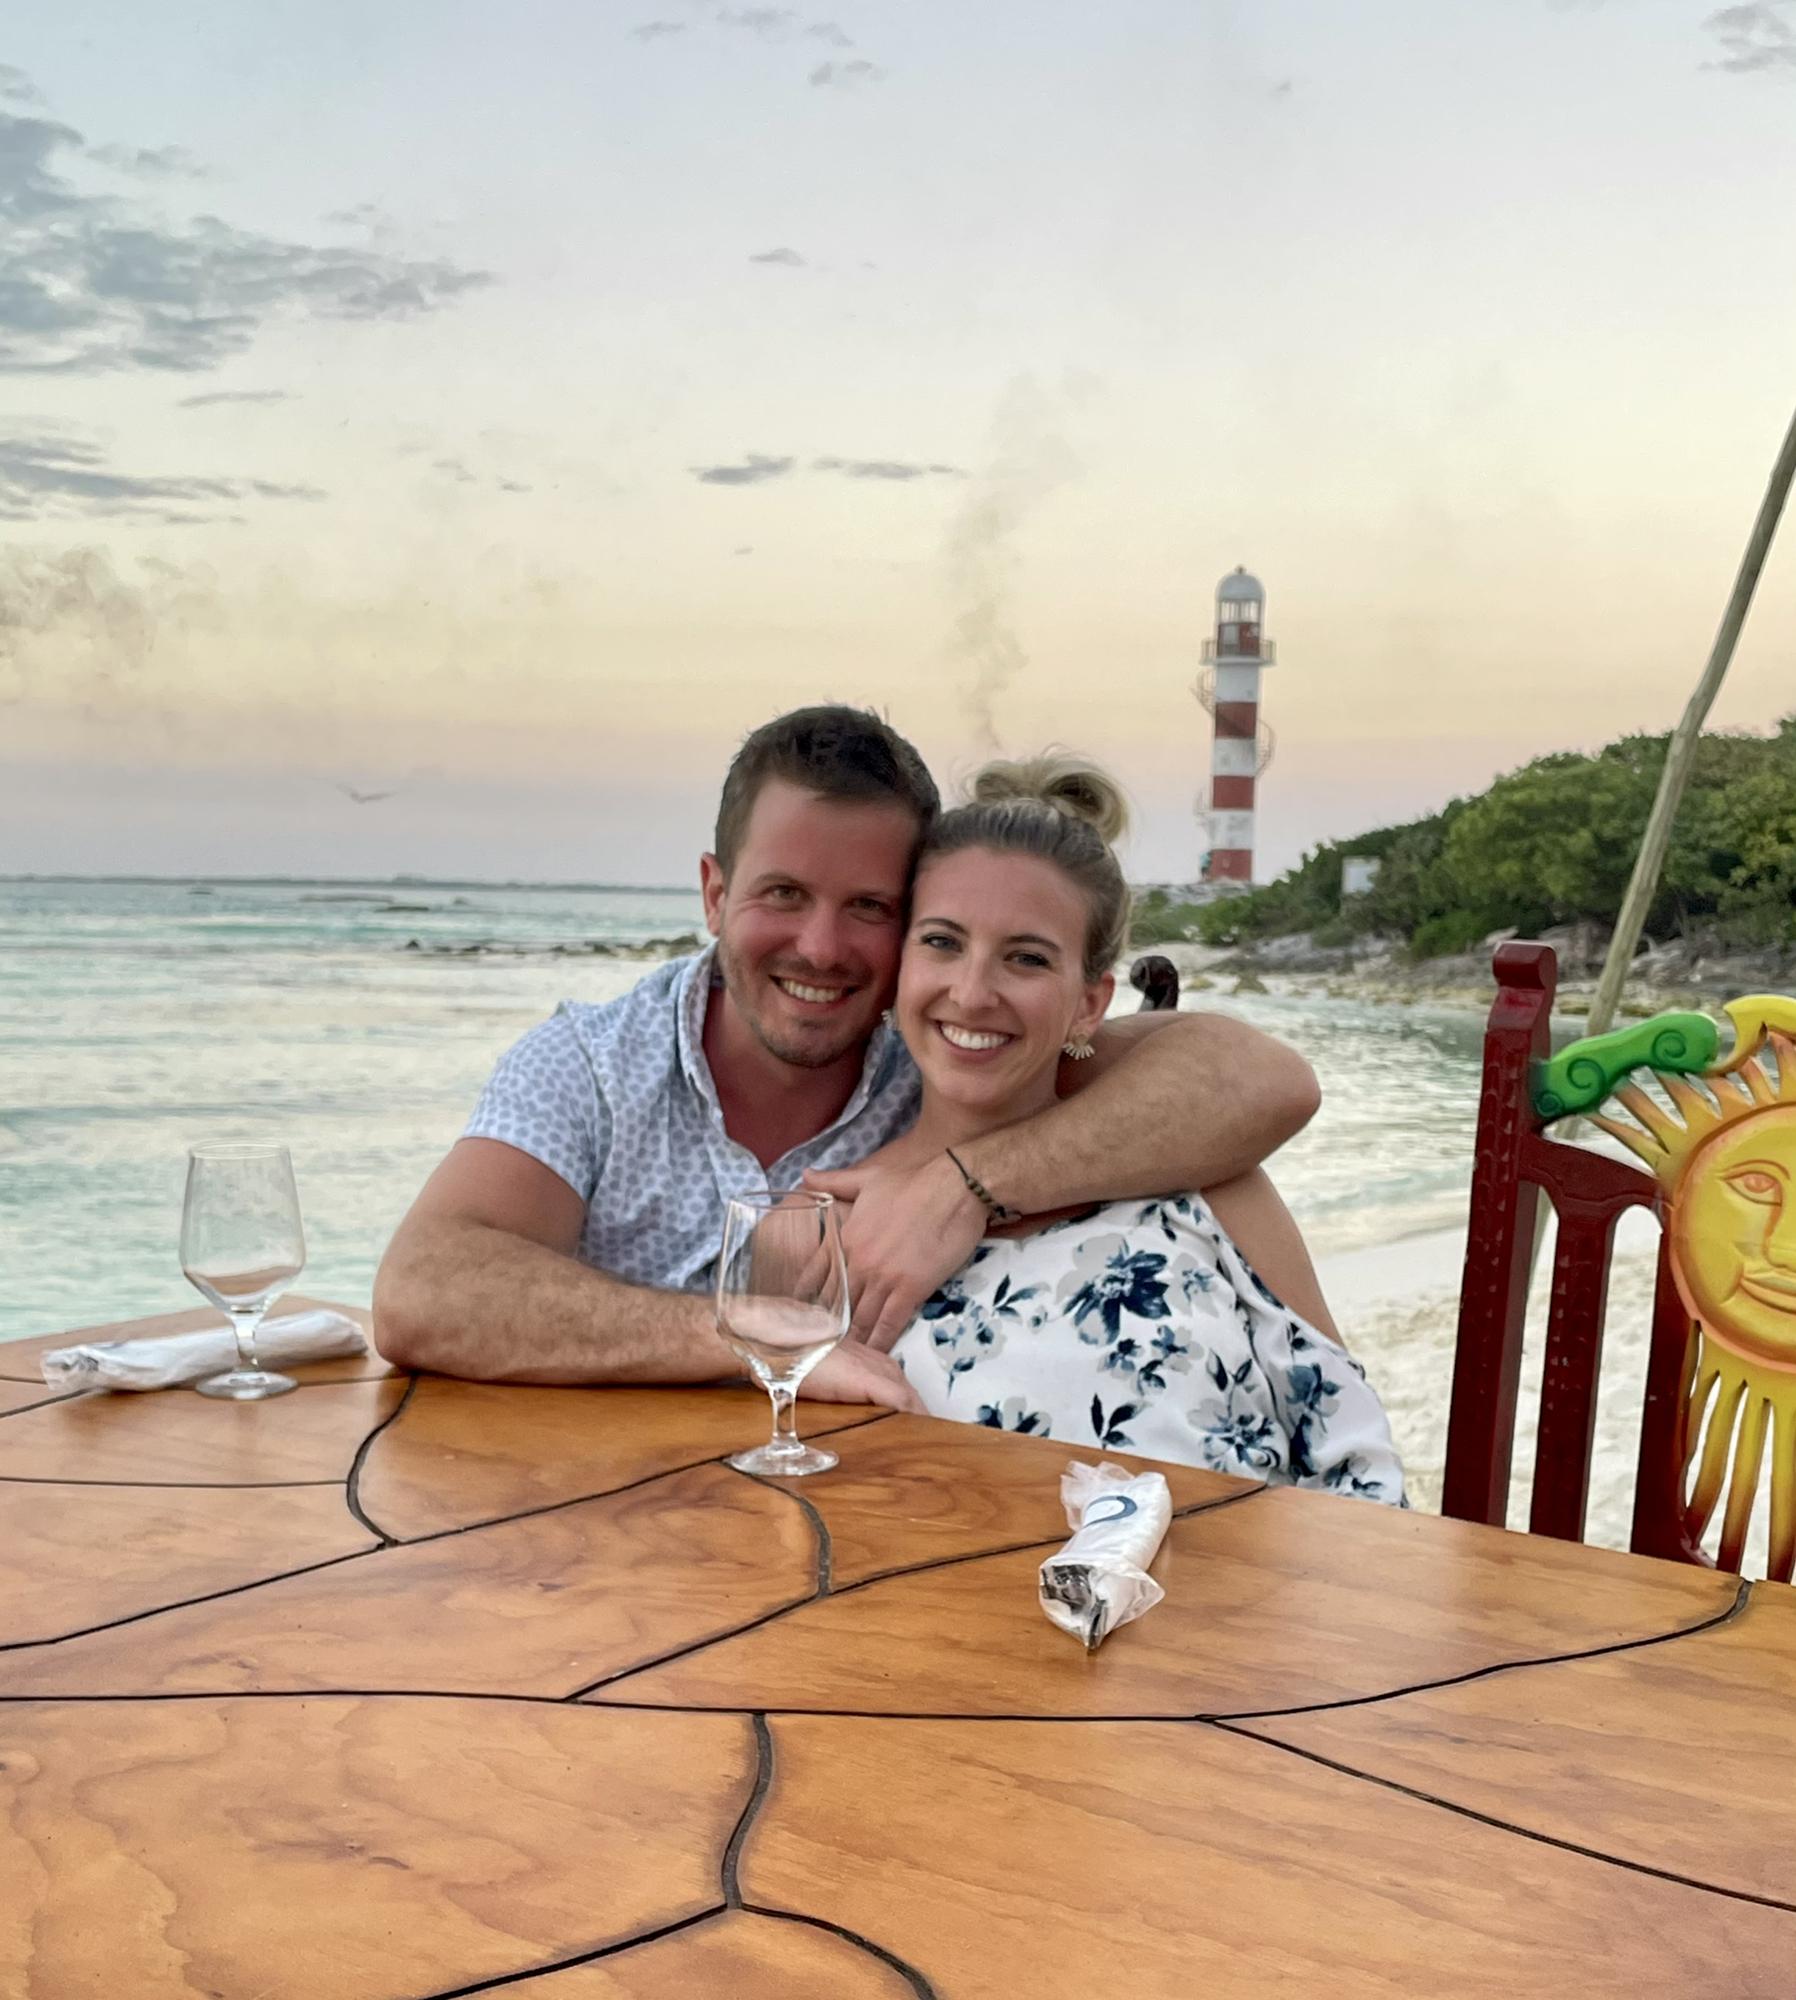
{"type": "Point", "coordinates": [992, 980]}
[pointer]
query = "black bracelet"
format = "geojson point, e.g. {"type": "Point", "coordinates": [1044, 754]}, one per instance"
{"type": "Point", "coordinates": [996, 1209]}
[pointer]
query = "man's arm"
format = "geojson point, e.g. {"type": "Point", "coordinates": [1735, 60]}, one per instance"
{"type": "Point", "coordinates": [481, 1281]}
{"type": "Point", "coordinates": [1199, 1098]}
{"type": "Point", "coordinates": [1170, 1101]}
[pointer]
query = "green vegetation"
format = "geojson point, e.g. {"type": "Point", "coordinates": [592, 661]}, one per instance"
{"type": "Point", "coordinates": [1157, 919]}
{"type": "Point", "coordinates": [1553, 843]}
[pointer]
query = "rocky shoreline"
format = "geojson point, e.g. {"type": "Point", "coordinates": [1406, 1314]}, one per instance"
{"type": "Point", "coordinates": [650, 951]}
{"type": "Point", "coordinates": [1685, 974]}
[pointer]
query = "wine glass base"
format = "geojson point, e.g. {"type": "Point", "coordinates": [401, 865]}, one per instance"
{"type": "Point", "coordinates": [246, 1385]}
{"type": "Point", "coordinates": [771, 1462]}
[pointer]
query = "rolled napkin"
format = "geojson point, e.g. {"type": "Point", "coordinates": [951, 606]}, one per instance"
{"type": "Point", "coordinates": [171, 1359]}
{"type": "Point", "coordinates": [1099, 1580]}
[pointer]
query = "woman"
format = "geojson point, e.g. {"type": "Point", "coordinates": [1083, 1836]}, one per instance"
{"type": "Point", "coordinates": [1139, 1325]}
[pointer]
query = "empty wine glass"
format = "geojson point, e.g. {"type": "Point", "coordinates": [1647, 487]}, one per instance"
{"type": "Point", "coordinates": [782, 1304]}
{"type": "Point", "coordinates": [242, 1246]}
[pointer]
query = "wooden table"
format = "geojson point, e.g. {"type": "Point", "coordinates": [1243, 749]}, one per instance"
{"type": "Point", "coordinates": [417, 1688]}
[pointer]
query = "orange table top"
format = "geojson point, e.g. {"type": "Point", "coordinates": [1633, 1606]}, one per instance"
{"type": "Point", "coordinates": [422, 1689]}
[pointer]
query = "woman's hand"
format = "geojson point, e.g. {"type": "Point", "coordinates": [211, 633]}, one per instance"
{"type": "Point", "coordinates": [912, 1227]}
{"type": "Point", "coordinates": [857, 1373]}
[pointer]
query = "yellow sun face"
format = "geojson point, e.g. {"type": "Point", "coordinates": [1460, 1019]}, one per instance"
{"type": "Point", "coordinates": [1725, 1154]}
{"type": "Point", "coordinates": [1733, 1235]}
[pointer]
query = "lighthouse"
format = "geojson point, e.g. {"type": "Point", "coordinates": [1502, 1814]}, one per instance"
{"type": "Point", "coordinates": [1241, 747]}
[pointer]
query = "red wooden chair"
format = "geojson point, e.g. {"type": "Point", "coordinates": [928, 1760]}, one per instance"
{"type": "Point", "coordinates": [1709, 1368]}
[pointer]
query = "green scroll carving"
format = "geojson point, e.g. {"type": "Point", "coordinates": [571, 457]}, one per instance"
{"type": "Point", "coordinates": [1579, 1077]}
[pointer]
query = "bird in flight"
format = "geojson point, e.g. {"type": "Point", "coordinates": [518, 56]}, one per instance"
{"type": "Point", "coordinates": [364, 798]}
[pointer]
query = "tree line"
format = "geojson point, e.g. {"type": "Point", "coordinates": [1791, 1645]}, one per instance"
{"type": "Point", "coordinates": [1551, 843]}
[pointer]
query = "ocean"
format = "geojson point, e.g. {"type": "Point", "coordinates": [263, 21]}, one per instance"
{"type": "Point", "coordinates": [356, 1021]}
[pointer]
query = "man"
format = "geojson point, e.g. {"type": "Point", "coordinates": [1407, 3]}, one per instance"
{"type": "Point", "coordinates": [570, 1234]}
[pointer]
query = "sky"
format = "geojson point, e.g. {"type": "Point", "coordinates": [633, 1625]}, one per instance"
{"type": "Point", "coordinates": [504, 410]}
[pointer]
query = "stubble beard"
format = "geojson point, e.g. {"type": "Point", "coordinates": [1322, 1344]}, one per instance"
{"type": "Point", "coordinates": [801, 1051]}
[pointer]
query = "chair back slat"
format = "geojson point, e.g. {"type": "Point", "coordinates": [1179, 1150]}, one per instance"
{"type": "Point", "coordinates": [1589, 1193]}
{"type": "Point", "coordinates": [1566, 1435]}
{"type": "Point", "coordinates": [1659, 1528]}
{"type": "Point", "coordinates": [1493, 1297]}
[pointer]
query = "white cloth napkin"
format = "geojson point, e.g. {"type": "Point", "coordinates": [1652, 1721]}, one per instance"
{"type": "Point", "coordinates": [1099, 1580]}
{"type": "Point", "coordinates": [171, 1359]}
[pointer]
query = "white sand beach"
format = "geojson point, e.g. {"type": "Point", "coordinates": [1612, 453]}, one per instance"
{"type": "Point", "coordinates": [1398, 1309]}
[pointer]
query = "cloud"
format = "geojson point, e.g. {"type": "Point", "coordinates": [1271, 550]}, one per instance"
{"type": "Point", "coordinates": [152, 162]}
{"type": "Point", "coordinates": [754, 468]}
{"type": "Point", "coordinates": [360, 215]}
{"type": "Point", "coordinates": [780, 26]}
{"type": "Point", "coordinates": [885, 468]}
{"type": "Point", "coordinates": [45, 475]}
{"type": "Point", "coordinates": [93, 284]}
{"type": "Point", "coordinates": [770, 23]}
{"type": "Point", "coordinates": [845, 75]}
{"type": "Point", "coordinates": [234, 396]}
{"type": "Point", "coordinates": [16, 87]}
{"type": "Point", "coordinates": [456, 471]}
{"type": "Point", "coordinates": [780, 256]}
{"type": "Point", "coordinates": [1756, 36]}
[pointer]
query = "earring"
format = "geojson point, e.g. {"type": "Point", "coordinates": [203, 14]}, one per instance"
{"type": "Point", "coordinates": [889, 1018]}
{"type": "Point", "coordinates": [1078, 1050]}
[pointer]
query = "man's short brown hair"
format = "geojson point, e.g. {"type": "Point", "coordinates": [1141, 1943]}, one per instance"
{"type": "Point", "coordinates": [838, 753]}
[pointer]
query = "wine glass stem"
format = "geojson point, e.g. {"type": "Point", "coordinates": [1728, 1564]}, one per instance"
{"type": "Point", "coordinates": [785, 1426]}
{"type": "Point", "coordinates": [243, 1325]}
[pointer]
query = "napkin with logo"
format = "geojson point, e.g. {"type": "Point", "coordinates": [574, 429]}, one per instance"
{"type": "Point", "coordinates": [1099, 1580]}
{"type": "Point", "coordinates": [174, 1359]}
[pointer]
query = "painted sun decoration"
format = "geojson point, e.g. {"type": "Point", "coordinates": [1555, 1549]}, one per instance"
{"type": "Point", "coordinates": [1724, 1156]}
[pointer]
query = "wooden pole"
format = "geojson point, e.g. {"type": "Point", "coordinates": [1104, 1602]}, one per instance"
{"type": "Point", "coordinates": [1644, 883]}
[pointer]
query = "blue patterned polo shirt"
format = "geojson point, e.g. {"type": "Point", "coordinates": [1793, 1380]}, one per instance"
{"type": "Point", "coordinates": [618, 1100]}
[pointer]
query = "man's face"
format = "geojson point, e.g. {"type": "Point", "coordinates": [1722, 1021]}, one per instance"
{"type": "Point", "coordinates": [810, 921]}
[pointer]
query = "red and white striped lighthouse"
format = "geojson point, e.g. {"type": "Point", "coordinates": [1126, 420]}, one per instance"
{"type": "Point", "coordinates": [1242, 746]}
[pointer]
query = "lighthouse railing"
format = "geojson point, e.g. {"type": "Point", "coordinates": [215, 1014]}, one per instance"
{"type": "Point", "coordinates": [1249, 646]}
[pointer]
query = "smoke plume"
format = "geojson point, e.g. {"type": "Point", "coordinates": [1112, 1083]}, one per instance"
{"type": "Point", "coordinates": [76, 598]}
{"type": "Point", "coordinates": [1030, 458]}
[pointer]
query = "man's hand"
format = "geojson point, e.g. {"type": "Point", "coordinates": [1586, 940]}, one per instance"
{"type": "Point", "coordinates": [855, 1373]}
{"type": "Point", "coordinates": [911, 1228]}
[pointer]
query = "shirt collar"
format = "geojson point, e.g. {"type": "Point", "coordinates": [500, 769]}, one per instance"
{"type": "Point", "coordinates": [693, 997]}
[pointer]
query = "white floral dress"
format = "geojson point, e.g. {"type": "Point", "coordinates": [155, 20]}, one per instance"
{"type": "Point", "coordinates": [1142, 1328]}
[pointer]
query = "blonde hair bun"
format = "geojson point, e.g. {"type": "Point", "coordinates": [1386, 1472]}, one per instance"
{"type": "Point", "coordinates": [1071, 785]}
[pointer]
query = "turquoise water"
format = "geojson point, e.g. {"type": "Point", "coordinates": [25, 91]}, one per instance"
{"type": "Point", "coordinates": [137, 1019]}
